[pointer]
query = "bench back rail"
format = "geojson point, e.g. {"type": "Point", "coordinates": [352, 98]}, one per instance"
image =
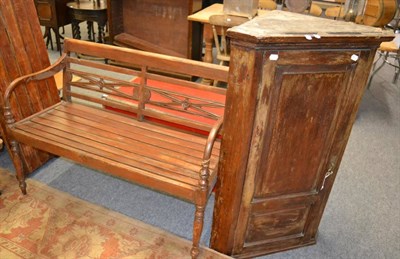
{"type": "Point", "coordinates": [191, 104]}
{"type": "Point", "coordinates": [182, 102]}
{"type": "Point", "coordinates": [146, 88]}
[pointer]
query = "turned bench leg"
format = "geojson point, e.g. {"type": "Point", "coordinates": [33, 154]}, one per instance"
{"type": "Point", "coordinates": [197, 230]}
{"type": "Point", "coordinates": [200, 202]}
{"type": "Point", "coordinates": [18, 166]}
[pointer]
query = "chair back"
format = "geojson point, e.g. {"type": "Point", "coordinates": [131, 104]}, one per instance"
{"type": "Point", "coordinates": [220, 23]}
{"type": "Point", "coordinates": [267, 5]}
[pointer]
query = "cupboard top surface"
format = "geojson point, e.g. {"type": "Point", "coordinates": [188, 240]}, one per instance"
{"type": "Point", "coordinates": [278, 24]}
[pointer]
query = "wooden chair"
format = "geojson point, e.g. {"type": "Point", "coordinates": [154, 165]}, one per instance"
{"type": "Point", "coordinates": [336, 12]}
{"type": "Point", "coordinates": [220, 23]}
{"type": "Point", "coordinates": [389, 52]}
{"type": "Point", "coordinates": [315, 10]}
{"type": "Point", "coordinates": [267, 5]}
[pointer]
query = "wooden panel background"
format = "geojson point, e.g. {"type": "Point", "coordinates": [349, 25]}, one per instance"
{"type": "Point", "coordinates": [156, 26]}
{"type": "Point", "coordinates": [23, 51]}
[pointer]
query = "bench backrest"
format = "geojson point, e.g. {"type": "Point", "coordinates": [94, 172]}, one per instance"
{"type": "Point", "coordinates": [146, 85]}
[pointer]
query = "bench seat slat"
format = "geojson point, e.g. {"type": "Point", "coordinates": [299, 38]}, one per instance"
{"type": "Point", "coordinates": [119, 122]}
{"type": "Point", "coordinates": [184, 191]}
{"type": "Point", "coordinates": [83, 133]}
{"type": "Point", "coordinates": [131, 159]}
{"type": "Point", "coordinates": [110, 118]}
{"type": "Point", "coordinates": [139, 134]}
{"type": "Point", "coordinates": [132, 143]}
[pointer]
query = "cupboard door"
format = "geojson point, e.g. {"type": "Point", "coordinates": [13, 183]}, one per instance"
{"type": "Point", "coordinates": [299, 108]}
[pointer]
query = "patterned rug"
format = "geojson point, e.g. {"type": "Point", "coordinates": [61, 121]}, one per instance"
{"type": "Point", "coordinates": [48, 223]}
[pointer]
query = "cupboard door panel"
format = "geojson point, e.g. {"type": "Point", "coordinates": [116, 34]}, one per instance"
{"type": "Point", "coordinates": [301, 115]}
{"type": "Point", "coordinates": [288, 222]}
{"type": "Point", "coordinates": [300, 129]}
{"type": "Point", "coordinates": [277, 218]}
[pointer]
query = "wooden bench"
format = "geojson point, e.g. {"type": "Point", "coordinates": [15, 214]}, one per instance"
{"type": "Point", "coordinates": [159, 147]}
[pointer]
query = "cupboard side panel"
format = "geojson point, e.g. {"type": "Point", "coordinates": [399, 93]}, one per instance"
{"type": "Point", "coordinates": [238, 125]}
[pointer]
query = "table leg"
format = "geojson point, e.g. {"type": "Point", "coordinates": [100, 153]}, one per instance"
{"type": "Point", "coordinates": [208, 40]}
{"type": "Point", "coordinates": [76, 31]}
{"type": "Point", "coordinates": [48, 37]}
{"type": "Point", "coordinates": [101, 32]}
{"type": "Point", "coordinates": [90, 30]}
{"type": "Point", "coordinates": [58, 39]}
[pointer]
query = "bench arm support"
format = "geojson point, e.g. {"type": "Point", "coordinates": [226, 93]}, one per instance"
{"type": "Point", "coordinates": [40, 75]}
{"type": "Point", "coordinates": [204, 172]}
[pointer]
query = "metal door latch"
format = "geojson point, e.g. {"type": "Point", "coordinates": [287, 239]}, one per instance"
{"type": "Point", "coordinates": [327, 174]}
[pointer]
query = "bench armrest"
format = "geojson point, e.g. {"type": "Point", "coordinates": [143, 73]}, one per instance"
{"type": "Point", "coordinates": [204, 172]}
{"type": "Point", "coordinates": [40, 75]}
{"type": "Point", "coordinates": [211, 138]}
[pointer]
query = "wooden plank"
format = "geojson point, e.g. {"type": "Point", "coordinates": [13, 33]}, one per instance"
{"type": "Point", "coordinates": [71, 136]}
{"type": "Point", "coordinates": [23, 25]}
{"type": "Point", "coordinates": [196, 142]}
{"type": "Point", "coordinates": [8, 48]}
{"type": "Point", "coordinates": [134, 72]}
{"type": "Point", "coordinates": [110, 68]}
{"type": "Point", "coordinates": [56, 137]}
{"type": "Point", "coordinates": [120, 143]}
{"type": "Point", "coordinates": [160, 183]}
{"type": "Point", "coordinates": [141, 131]}
{"type": "Point", "coordinates": [125, 106]}
{"type": "Point", "coordinates": [152, 60]}
{"type": "Point", "coordinates": [22, 51]}
{"type": "Point", "coordinates": [129, 143]}
{"type": "Point", "coordinates": [116, 120]}
{"type": "Point", "coordinates": [185, 83]}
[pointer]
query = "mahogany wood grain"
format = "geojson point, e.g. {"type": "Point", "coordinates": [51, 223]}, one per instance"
{"type": "Point", "coordinates": [23, 51]}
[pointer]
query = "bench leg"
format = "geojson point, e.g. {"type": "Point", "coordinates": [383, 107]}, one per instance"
{"type": "Point", "coordinates": [201, 202]}
{"type": "Point", "coordinates": [197, 229]}
{"type": "Point", "coordinates": [18, 166]}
